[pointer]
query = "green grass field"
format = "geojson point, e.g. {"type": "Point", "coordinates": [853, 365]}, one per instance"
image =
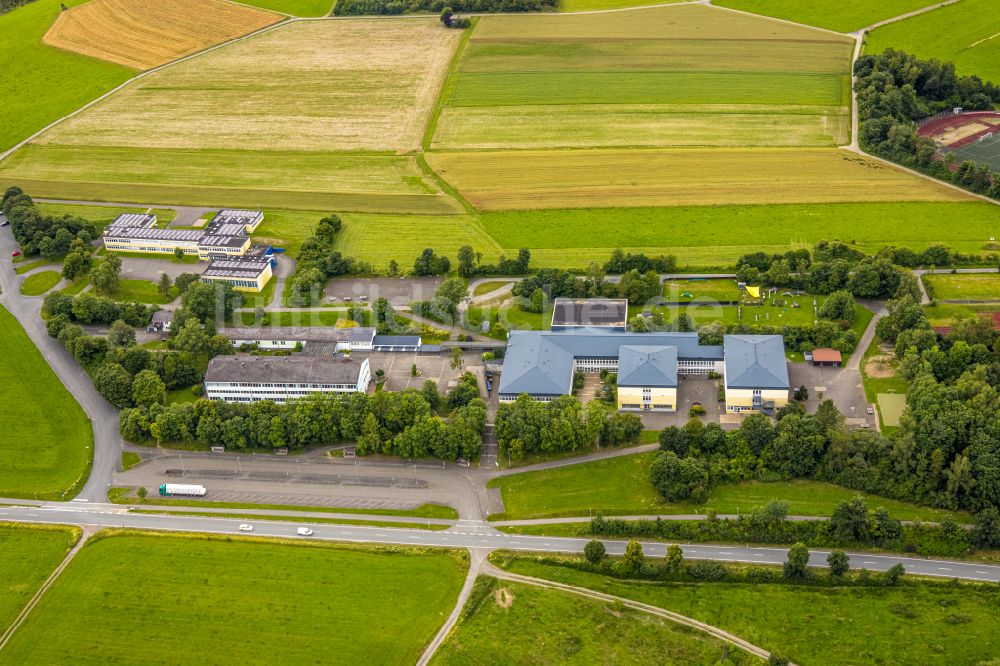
{"type": "Point", "coordinates": [37, 284]}
{"type": "Point", "coordinates": [102, 216]}
{"type": "Point", "coordinates": [488, 286]}
{"type": "Point", "coordinates": [965, 286]}
{"type": "Point", "coordinates": [278, 179]}
{"type": "Point", "coordinates": [699, 77]}
{"type": "Point", "coordinates": [700, 291]}
{"type": "Point", "coordinates": [621, 486]}
{"type": "Point", "coordinates": [920, 623]}
{"type": "Point", "coordinates": [295, 7]}
{"type": "Point", "coordinates": [965, 33]}
{"type": "Point", "coordinates": [39, 84]}
{"type": "Point", "coordinates": [837, 15]}
{"type": "Point", "coordinates": [591, 5]}
{"type": "Point", "coordinates": [47, 446]}
{"type": "Point", "coordinates": [515, 623]}
{"type": "Point", "coordinates": [361, 604]}
{"type": "Point", "coordinates": [944, 314]}
{"type": "Point", "coordinates": [28, 555]}
{"type": "Point", "coordinates": [703, 236]}
{"type": "Point", "coordinates": [141, 291]}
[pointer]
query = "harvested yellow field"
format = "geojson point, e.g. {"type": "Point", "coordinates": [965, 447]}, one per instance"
{"type": "Point", "coordinates": [512, 180]}
{"type": "Point", "coordinates": [364, 84]}
{"type": "Point", "coordinates": [143, 34]}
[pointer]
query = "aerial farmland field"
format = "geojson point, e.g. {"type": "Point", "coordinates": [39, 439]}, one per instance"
{"type": "Point", "coordinates": [308, 115]}
{"type": "Point", "coordinates": [496, 180]}
{"type": "Point", "coordinates": [668, 76]}
{"type": "Point", "coordinates": [966, 33]}
{"type": "Point", "coordinates": [838, 15]}
{"type": "Point", "coordinates": [145, 33]}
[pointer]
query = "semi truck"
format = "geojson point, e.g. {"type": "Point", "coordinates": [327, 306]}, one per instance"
{"type": "Point", "coordinates": [170, 489]}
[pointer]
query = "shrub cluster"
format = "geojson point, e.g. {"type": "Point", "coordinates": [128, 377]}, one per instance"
{"type": "Point", "coordinates": [47, 235]}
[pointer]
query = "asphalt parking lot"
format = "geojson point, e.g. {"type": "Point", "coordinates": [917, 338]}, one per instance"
{"type": "Point", "coordinates": [398, 367]}
{"type": "Point", "coordinates": [398, 291]}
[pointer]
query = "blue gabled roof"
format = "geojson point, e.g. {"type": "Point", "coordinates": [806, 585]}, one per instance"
{"type": "Point", "coordinates": [647, 366]}
{"type": "Point", "coordinates": [755, 362]}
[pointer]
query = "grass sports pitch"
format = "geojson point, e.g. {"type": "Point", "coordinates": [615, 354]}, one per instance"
{"type": "Point", "coordinates": [983, 151]}
{"type": "Point", "coordinates": [965, 286]}
{"type": "Point", "coordinates": [47, 445]}
{"type": "Point", "coordinates": [160, 598]}
{"type": "Point", "coordinates": [891, 406]}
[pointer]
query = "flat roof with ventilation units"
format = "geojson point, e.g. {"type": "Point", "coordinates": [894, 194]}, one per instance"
{"type": "Point", "coordinates": [603, 313]}
{"type": "Point", "coordinates": [188, 235]}
{"type": "Point", "coordinates": [236, 268]}
{"type": "Point", "coordinates": [248, 219]}
{"type": "Point", "coordinates": [134, 221]}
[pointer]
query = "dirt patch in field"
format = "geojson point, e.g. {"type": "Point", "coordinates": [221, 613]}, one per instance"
{"type": "Point", "coordinates": [879, 367]}
{"type": "Point", "coordinates": [503, 597]}
{"type": "Point", "coordinates": [145, 33]}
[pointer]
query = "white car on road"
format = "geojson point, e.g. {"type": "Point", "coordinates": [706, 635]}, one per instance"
{"type": "Point", "coordinates": [304, 531]}
{"type": "Point", "coordinates": [246, 528]}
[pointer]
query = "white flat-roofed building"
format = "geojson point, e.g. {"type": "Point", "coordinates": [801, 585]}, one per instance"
{"type": "Point", "coordinates": [358, 338]}
{"type": "Point", "coordinates": [243, 274]}
{"type": "Point", "coordinates": [248, 219]}
{"type": "Point", "coordinates": [151, 240]}
{"type": "Point", "coordinates": [281, 378]}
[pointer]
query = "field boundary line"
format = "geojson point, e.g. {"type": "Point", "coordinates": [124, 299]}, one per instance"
{"type": "Point", "coordinates": [779, 20]}
{"type": "Point", "coordinates": [903, 17]}
{"type": "Point", "coordinates": [30, 606]}
{"type": "Point", "coordinates": [721, 634]}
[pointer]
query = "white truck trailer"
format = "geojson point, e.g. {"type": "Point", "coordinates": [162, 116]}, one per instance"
{"type": "Point", "coordinates": [171, 489]}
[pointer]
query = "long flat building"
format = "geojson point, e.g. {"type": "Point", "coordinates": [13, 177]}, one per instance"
{"type": "Point", "coordinates": [542, 364]}
{"type": "Point", "coordinates": [289, 337]}
{"type": "Point", "coordinates": [243, 274]}
{"type": "Point", "coordinates": [281, 378]}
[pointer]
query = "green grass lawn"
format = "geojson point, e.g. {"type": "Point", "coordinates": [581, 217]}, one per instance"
{"type": "Point", "coordinates": [180, 395]}
{"type": "Point", "coordinates": [837, 15]}
{"type": "Point", "coordinates": [141, 291]}
{"type": "Point", "coordinates": [28, 554]}
{"type": "Point", "coordinates": [37, 284]}
{"type": "Point", "coordinates": [102, 216]}
{"type": "Point", "coordinates": [621, 486]}
{"type": "Point", "coordinates": [129, 460]}
{"type": "Point", "coordinates": [295, 7]}
{"type": "Point", "coordinates": [38, 83]}
{"type": "Point", "coordinates": [944, 314]}
{"type": "Point", "coordinates": [160, 598]}
{"type": "Point", "coordinates": [700, 291]}
{"type": "Point", "coordinates": [965, 286]}
{"type": "Point", "coordinates": [515, 623]}
{"type": "Point", "coordinates": [891, 406]}
{"type": "Point", "coordinates": [23, 267]}
{"type": "Point", "coordinates": [917, 623]}
{"type": "Point", "coordinates": [702, 236]}
{"type": "Point", "coordinates": [964, 33]}
{"type": "Point", "coordinates": [488, 286]}
{"type": "Point", "coordinates": [47, 447]}
{"type": "Point", "coordinates": [75, 287]}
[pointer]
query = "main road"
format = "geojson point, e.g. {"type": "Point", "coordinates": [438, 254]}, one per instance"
{"type": "Point", "coordinates": [474, 535]}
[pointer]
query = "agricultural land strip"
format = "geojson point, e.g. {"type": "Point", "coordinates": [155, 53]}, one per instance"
{"type": "Point", "coordinates": [143, 34]}
{"type": "Point", "coordinates": [28, 554]}
{"type": "Point", "coordinates": [966, 33]}
{"type": "Point", "coordinates": [47, 443]}
{"type": "Point", "coordinates": [321, 122]}
{"type": "Point", "coordinates": [665, 76]}
{"type": "Point", "coordinates": [363, 604]}
{"type": "Point", "coordinates": [837, 15]}
{"type": "Point", "coordinates": [505, 180]}
{"type": "Point", "coordinates": [965, 286]}
{"type": "Point", "coordinates": [31, 69]}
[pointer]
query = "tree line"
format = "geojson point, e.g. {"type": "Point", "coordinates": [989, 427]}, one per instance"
{"type": "Point", "coordinates": [46, 235]}
{"type": "Point", "coordinates": [317, 262]}
{"type": "Point", "coordinates": [527, 426]}
{"type": "Point", "coordinates": [390, 7]}
{"type": "Point", "coordinates": [895, 90]}
{"type": "Point", "coordinates": [387, 423]}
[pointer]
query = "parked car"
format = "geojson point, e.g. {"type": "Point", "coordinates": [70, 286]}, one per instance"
{"type": "Point", "coordinates": [246, 528]}
{"type": "Point", "coordinates": [304, 531]}
{"type": "Point", "coordinates": [4, 221]}
{"type": "Point", "coordinates": [871, 410]}
{"type": "Point", "coordinates": [15, 253]}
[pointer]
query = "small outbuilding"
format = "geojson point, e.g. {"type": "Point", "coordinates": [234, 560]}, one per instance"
{"type": "Point", "coordinates": [608, 314]}
{"type": "Point", "coordinates": [827, 357]}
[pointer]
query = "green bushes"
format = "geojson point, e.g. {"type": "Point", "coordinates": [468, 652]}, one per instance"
{"type": "Point", "coordinates": [46, 235]}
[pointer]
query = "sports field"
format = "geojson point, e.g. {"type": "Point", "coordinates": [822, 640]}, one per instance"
{"type": "Point", "coordinates": [504, 180]}
{"type": "Point", "coordinates": [174, 599]}
{"type": "Point", "coordinates": [838, 15]}
{"type": "Point", "coordinates": [28, 554]}
{"type": "Point", "coordinates": [965, 286]}
{"type": "Point", "coordinates": [515, 623]}
{"type": "Point", "coordinates": [984, 151]}
{"type": "Point", "coordinates": [309, 115]}
{"type": "Point", "coordinates": [891, 406]}
{"type": "Point", "coordinates": [966, 33]}
{"type": "Point", "coordinates": [669, 76]}
{"type": "Point", "coordinates": [38, 83]}
{"type": "Point", "coordinates": [47, 444]}
{"type": "Point", "coordinates": [145, 33]}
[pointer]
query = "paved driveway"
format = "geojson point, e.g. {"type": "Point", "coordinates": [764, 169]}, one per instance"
{"type": "Point", "coordinates": [841, 385]}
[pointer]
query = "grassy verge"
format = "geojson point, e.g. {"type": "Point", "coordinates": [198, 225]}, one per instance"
{"type": "Point", "coordinates": [621, 486]}
{"type": "Point", "coordinates": [141, 291]}
{"type": "Point", "coordinates": [116, 495]}
{"type": "Point", "coordinates": [28, 555]}
{"type": "Point", "coordinates": [37, 284]}
{"type": "Point", "coordinates": [919, 622]}
{"type": "Point", "coordinates": [519, 624]}
{"type": "Point", "coordinates": [285, 519]}
{"type": "Point", "coordinates": [38, 410]}
{"type": "Point", "coordinates": [130, 460]}
{"type": "Point", "coordinates": [365, 605]}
